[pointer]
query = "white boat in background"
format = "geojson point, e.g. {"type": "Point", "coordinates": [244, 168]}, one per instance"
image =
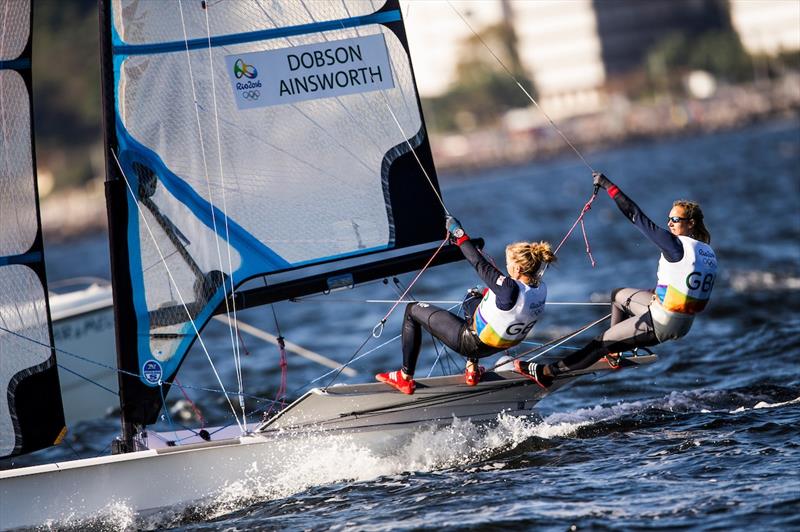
{"type": "Point", "coordinates": [83, 331]}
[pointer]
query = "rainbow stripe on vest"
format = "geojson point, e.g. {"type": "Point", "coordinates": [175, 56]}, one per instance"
{"type": "Point", "coordinates": [487, 334]}
{"type": "Point", "coordinates": [675, 301]}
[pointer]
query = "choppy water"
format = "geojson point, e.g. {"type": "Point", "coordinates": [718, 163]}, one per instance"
{"type": "Point", "coordinates": [707, 438]}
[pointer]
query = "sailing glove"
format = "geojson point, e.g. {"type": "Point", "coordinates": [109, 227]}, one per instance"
{"type": "Point", "coordinates": [457, 233]}
{"type": "Point", "coordinates": [602, 181]}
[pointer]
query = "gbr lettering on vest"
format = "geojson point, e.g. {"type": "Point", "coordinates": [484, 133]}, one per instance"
{"type": "Point", "coordinates": [507, 328]}
{"type": "Point", "coordinates": [685, 286]}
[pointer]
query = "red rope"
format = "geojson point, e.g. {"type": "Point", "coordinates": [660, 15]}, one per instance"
{"type": "Point", "coordinates": [281, 395]}
{"type": "Point", "coordinates": [583, 229]}
{"type": "Point", "coordinates": [191, 403]}
{"type": "Point", "coordinates": [403, 296]}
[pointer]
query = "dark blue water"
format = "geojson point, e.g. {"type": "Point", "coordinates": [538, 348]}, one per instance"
{"type": "Point", "coordinates": [706, 438]}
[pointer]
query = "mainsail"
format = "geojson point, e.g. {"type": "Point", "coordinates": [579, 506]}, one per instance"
{"type": "Point", "coordinates": [250, 139]}
{"type": "Point", "coordinates": [31, 416]}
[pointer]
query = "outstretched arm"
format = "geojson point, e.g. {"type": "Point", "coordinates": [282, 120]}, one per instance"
{"type": "Point", "coordinates": [668, 243]}
{"type": "Point", "coordinates": [504, 288]}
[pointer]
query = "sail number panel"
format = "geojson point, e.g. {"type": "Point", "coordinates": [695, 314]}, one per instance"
{"type": "Point", "coordinates": [309, 72]}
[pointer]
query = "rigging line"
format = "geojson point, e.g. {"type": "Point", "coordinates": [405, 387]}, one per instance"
{"type": "Point", "coordinates": [177, 289]}
{"type": "Point", "coordinates": [191, 404]}
{"type": "Point", "coordinates": [384, 344]}
{"type": "Point", "coordinates": [323, 299]}
{"type": "Point", "coordinates": [398, 288]}
{"type": "Point", "coordinates": [208, 183]}
{"type": "Point", "coordinates": [399, 86]}
{"type": "Point", "coordinates": [336, 98]}
{"type": "Point", "coordinates": [552, 344]}
{"type": "Point", "coordinates": [413, 281]}
{"type": "Point", "coordinates": [531, 98]}
{"type": "Point", "coordinates": [355, 359]}
{"type": "Point", "coordinates": [416, 157]}
{"type": "Point", "coordinates": [166, 410]}
{"type": "Point", "coordinates": [234, 327]}
{"type": "Point", "coordinates": [117, 370]}
{"type": "Point", "coordinates": [87, 379]}
{"type": "Point", "coordinates": [539, 344]}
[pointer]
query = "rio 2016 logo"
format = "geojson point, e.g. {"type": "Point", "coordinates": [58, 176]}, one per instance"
{"type": "Point", "coordinates": [242, 69]}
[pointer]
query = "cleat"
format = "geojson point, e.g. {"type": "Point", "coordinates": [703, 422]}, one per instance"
{"type": "Point", "coordinates": [613, 360]}
{"type": "Point", "coordinates": [473, 377]}
{"type": "Point", "coordinates": [396, 380]}
{"type": "Point", "coordinates": [534, 372]}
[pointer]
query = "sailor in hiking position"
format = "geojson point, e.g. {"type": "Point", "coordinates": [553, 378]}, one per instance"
{"type": "Point", "coordinates": [641, 317]}
{"type": "Point", "coordinates": [498, 319]}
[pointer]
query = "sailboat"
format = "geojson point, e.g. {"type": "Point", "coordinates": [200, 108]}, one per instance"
{"type": "Point", "coordinates": [256, 152]}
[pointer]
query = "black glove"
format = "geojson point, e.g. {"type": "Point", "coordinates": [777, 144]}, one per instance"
{"type": "Point", "coordinates": [601, 180]}
{"type": "Point", "coordinates": [457, 233]}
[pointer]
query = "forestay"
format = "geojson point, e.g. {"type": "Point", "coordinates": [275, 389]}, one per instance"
{"type": "Point", "coordinates": [251, 138]}
{"type": "Point", "coordinates": [31, 416]}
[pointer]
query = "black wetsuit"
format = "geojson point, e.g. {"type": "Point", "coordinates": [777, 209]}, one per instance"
{"type": "Point", "coordinates": [631, 322]}
{"type": "Point", "coordinates": [454, 331]}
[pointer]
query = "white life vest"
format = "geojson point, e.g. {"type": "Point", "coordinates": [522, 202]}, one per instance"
{"type": "Point", "coordinates": [685, 286]}
{"type": "Point", "coordinates": [506, 328]}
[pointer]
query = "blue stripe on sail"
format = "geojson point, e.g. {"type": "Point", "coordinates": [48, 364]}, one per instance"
{"type": "Point", "coordinates": [261, 35]}
{"type": "Point", "coordinates": [16, 64]}
{"type": "Point", "coordinates": [237, 236]}
{"type": "Point", "coordinates": [25, 258]}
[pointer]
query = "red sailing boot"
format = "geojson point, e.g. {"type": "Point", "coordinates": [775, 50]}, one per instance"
{"type": "Point", "coordinates": [397, 380]}
{"type": "Point", "coordinates": [473, 376]}
{"type": "Point", "coordinates": [612, 359]}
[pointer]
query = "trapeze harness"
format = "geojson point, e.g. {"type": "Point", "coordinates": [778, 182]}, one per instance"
{"type": "Point", "coordinates": [506, 328]}
{"type": "Point", "coordinates": [683, 289]}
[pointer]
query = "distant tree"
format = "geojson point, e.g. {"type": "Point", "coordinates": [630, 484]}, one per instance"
{"type": "Point", "coordinates": [481, 89]}
{"type": "Point", "coordinates": [66, 87]}
{"type": "Point", "coordinates": [719, 52]}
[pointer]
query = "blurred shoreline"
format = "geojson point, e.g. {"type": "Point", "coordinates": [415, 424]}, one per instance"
{"type": "Point", "coordinates": [621, 122]}
{"type": "Point", "coordinates": [75, 212]}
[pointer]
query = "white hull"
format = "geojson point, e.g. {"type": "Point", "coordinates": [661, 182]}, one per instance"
{"type": "Point", "coordinates": [71, 492]}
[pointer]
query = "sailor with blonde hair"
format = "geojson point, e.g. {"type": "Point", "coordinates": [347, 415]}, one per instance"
{"type": "Point", "coordinates": [496, 319]}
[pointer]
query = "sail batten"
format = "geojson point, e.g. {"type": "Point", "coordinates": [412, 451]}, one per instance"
{"type": "Point", "coordinates": [262, 35]}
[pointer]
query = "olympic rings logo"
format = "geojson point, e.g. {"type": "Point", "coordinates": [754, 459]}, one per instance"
{"type": "Point", "coordinates": [251, 95]}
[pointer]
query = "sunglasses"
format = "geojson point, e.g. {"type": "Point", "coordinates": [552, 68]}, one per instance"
{"type": "Point", "coordinates": [676, 219]}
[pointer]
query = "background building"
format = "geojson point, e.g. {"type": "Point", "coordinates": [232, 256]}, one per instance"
{"type": "Point", "coordinates": [574, 50]}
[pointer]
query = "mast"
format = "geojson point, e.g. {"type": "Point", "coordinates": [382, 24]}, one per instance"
{"type": "Point", "coordinates": [117, 213]}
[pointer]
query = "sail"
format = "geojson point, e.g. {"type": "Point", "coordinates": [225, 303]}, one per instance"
{"type": "Point", "coordinates": [247, 139]}
{"type": "Point", "coordinates": [31, 416]}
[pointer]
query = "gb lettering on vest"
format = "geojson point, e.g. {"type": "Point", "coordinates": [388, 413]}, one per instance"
{"type": "Point", "coordinates": [685, 286]}
{"type": "Point", "coordinates": [506, 328]}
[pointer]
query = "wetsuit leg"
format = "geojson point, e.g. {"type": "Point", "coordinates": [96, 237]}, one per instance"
{"type": "Point", "coordinates": [627, 302]}
{"type": "Point", "coordinates": [635, 329]}
{"type": "Point", "coordinates": [439, 322]}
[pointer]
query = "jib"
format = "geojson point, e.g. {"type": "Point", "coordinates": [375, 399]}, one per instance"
{"type": "Point", "coordinates": [697, 280]}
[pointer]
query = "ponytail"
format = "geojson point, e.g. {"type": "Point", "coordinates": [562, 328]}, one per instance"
{"type": "Point", "coordinates": [531, 257]}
